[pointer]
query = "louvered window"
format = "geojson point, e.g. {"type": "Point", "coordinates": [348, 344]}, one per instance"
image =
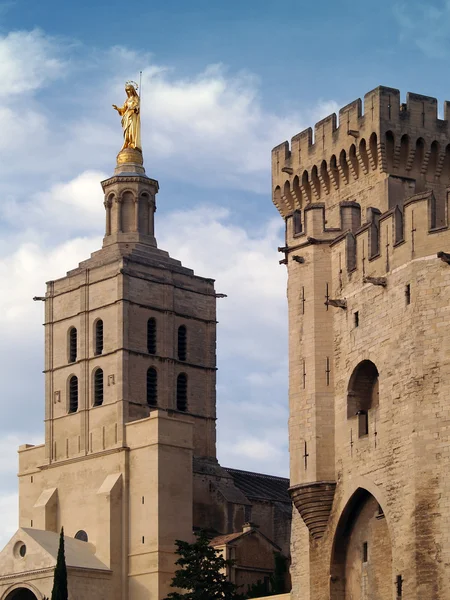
{"type": "Point", "coordinates": [98, 387]}
{"type": "Point", "coordinates": [151, 336]}
{"type": "Point", "coordinates": [182, 392]}
{"type": "Point", "coordinates": [73, 394]}
{"type": "Point", "coordinates": [152, 387]}
{"type": "Point", "coordinates": [72, 345]}
{"type": "Point", "coordinates": [99, 337]}
{"type": "Point", "coordinates": [182, 342]}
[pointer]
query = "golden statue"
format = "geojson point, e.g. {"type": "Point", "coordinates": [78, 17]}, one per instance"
{"type": "Point", "coordinates": [131, 117]}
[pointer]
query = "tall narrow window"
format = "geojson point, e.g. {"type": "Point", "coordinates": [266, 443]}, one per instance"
{"type": "Point", "coordinates": [72, 345]}
{"type": "Point", "coordinates": [152, 387]}
{"type": "Point", "coordinates": [98, 387]}
{"type": "Point", "coordinates": [182, 391]}
{"type": "Point", "coordinates": [99, 337]}
{"type": "Point", "coordinates": [151, 336]}
{"type": "Point", "coordinates": [182, 342]}
{"type": "Point", "coordinates": [73, 394]}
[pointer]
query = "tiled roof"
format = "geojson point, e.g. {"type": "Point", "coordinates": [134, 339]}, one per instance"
{"type": "Point", "coordinates": [257, 486]}
{"type": "Point", "coordinates": [220, 540]}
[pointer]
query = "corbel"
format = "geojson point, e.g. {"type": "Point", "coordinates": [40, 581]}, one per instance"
{"type": "Point", "coordinates": [376, 280]}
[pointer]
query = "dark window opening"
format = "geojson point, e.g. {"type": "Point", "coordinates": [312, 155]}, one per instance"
{"type": "Point", "coordinates": [73, 394]}
{"type": "Point", "coordinates": [151, 336]}
{"type": "Point", "coordinates": [363, 423]}
{"type": "Point", "coordinates": [408, 293]}
{"type": "Point", "coordinates": [82, 536]}
{"type": "Point", "coordinates": [72, 345]}
{"type": "Point", "coordinates": [399, 585]}
{"type": "Point", "coordinates": [152, 387]}
{"type": "Point", "coordinates": [182, 392]}
{"type": "Point", "coordinates": [99, 337]}
{"type": "Point", "coordinates": [297, 221]}
{"type": "Point", "coordinates": [182, 342]}
{"type": "Point", "coordinates": [98, 387]}
{"type": "Point", "coordinates": [365, 552]}
{"type": "Point", "coordinates": [356, 315]}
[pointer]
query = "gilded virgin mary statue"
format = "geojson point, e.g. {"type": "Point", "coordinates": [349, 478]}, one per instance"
{"type": "Point", "coordinates": [131, 118]}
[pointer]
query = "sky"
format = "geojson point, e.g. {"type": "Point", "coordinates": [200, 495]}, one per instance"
{"type": "Point", "coordinates": [223, 82]}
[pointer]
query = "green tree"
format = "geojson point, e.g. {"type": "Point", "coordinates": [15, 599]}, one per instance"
{"type": "Point", "coordinates": [202, 572]}
{"type": "Point", "coordinates": [59, 591]}
{"type": "Point", "coordinates": [275, 585]}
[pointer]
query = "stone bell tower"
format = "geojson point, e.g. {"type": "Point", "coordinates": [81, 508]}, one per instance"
{"type": "Point", "coordinates": [130, 368]}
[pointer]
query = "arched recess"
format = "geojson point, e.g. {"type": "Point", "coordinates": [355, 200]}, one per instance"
{"type": "Point", "coordinates": [404, 151]}
{"type": "Point", "coordinates": [373, 147]}
{"type": "Point", "coordinates": [361, 558]}
{"type": "Point", "coordinates": [306, 187]}
{"type": "Point", "coordinates": [364, 155]}
{"type": "Point", "coordinates": [362, 394]}
{"type": "Point", "coordinates": [390, 145]}
{"type": "Point", "coordinates": [419, 156]}
{"type": "Point", "coordinates": [354, 161]}
{"type": "Point", "coordinates": [21, 593]}
{"type": "Point", "coordinates": [325, 176]}
{"type": "Point", "coordinates": [433, 160]}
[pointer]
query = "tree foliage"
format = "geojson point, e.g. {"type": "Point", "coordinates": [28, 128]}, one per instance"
{"type": "Point", "coordinates": [275, 585]}
{"type": "Point", "coordinates": [59, 591]}
{"type": "Point", "coordinates": [202, 572]}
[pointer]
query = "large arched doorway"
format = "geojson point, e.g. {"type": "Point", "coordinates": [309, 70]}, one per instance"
{"type": "Point", "coordinates": [361, 564]}
{"type": "Point", "coordinates": [21, 594]}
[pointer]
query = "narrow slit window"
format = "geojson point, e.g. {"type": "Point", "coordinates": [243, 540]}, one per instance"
{"type": "Point", "coordinates": [99, 337]}
{"type": "Point", "coordinates": [356, 316]}
{"type": "Point", "coordinates": [72, 345]}
{"type": "Point", "coordinates": [152, 387]}
{"type": "Point", "coordinates": [151, 336]}
{"type": "Point", "coordinates": [73, 394]}
{"type": "Point", "coordinates": [182, 392]}
{"type": "Point", "coordinates": [365, 552]}
{"type": "Point", "coordinates": [182, 342]}
{"type": "Point", "coordinates": [408, 293]}
{"type": "Point", "coordinates": [297, 222]}
{"type": "Point", "coordinates": [399, 585]}
{"type": "Point", "coordinates": [98, 387]}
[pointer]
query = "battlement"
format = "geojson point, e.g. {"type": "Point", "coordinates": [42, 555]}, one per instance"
{"type": "Point", "coordinates": [388, 136]}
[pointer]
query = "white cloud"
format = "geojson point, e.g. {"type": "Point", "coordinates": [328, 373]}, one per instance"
{"type": "Point", "coordinates": [28, 61]}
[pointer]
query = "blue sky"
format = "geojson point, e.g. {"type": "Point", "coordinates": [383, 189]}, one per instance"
{"type": "Point", "coordinates": [223, 83]}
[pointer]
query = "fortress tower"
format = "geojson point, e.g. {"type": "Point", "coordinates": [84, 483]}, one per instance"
{"type": "Point", "coordinates": [366, 211]}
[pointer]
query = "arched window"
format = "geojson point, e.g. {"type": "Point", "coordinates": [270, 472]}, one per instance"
{"type": "Point", "coordinates": [72, 344]}
{"type": "Point", "coordinates": [152, 386]}
{"type": "Point", "coordinates": [182, 342]}
{"type": "Point", "coordinates": [73, 394]}
{"type": "Point", "coordinates": [151, 336]}
{"type": "Point", "coordinates": [182, 392]}
{"type": "Point", "coordinates": [82, 536]}
{"type": "Point", "coordinates": [98, 387]}
{"type": "Point", "coordinates": [98, 337]}
{"type": "Point", "coordinates": [362, 394]}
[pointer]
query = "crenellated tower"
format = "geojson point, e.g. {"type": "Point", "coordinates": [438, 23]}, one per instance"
{"type": "Point", "coordinates": [365, 201]}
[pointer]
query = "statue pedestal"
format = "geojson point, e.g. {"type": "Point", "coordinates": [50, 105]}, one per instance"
{"type": "Point", "coordinates": [129, 160]}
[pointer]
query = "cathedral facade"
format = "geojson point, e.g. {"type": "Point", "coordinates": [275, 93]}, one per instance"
{"type": "Point", "coordinates": [129, 460]}
{"type": "Point", "coordinates": [365, 201]}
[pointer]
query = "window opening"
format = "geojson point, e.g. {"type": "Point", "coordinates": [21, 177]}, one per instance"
{"type": "Point", "coordinates": [365, 552]}
{"type": "Point", "coordinates": [72, 345]}
{"type": "Point", "coordinates": [152, 387]}
{"type": "Point", "coordinates": [82, 536]}
{"type": "Point", "coordinates": [182, 342]}
{"type": "Point", "coordinates": [98, 387]}
{"type": "Point", "coordinates": [99, 337]}
{"type": "Point", "coordinates": [297, 221]}
{"type": "Point", "coordinates": [73, 394]}
{"type": "Point", "coordinates": [399, 585]}
{"type": "Point", "coordinates": [356, 316]}
{"type": "Point", "coordinates": [151, 336]}
{"type": "Point", "coordinates": [408, 293]}
{"type": "Point", "coordinates": [182, 392]}
{"type": "Point", "coordinates": [363, 423]}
